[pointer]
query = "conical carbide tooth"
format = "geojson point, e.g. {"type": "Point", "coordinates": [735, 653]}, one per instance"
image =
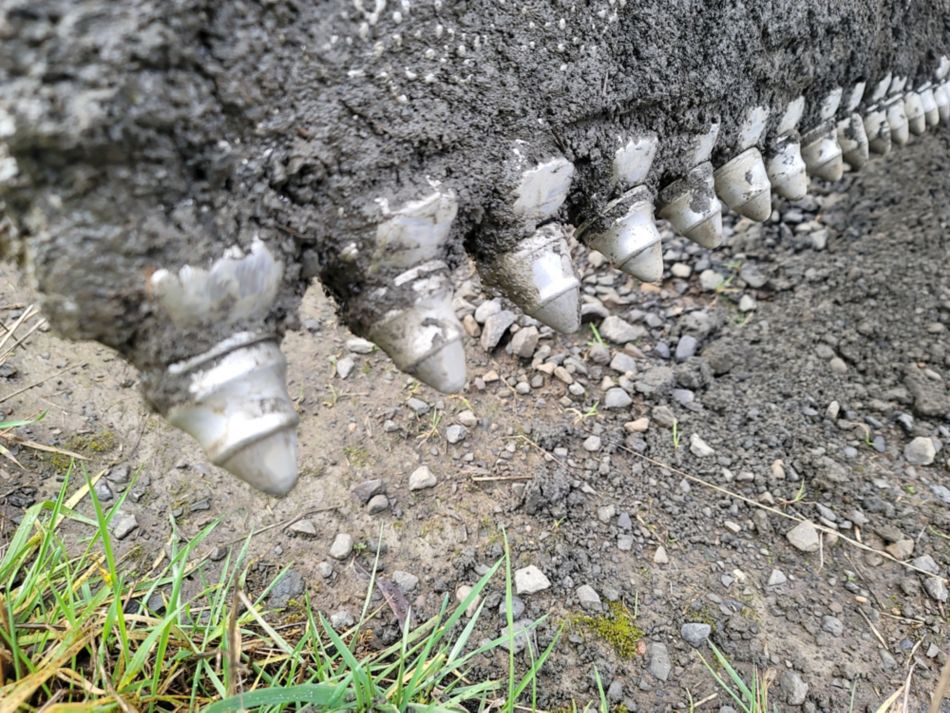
{"type": "Point", "coordinates": [624, 232]}
{"type": "Point", "coordinates": [423, 337]}
{"type": "Point", "coordinates": [929, 103]}
{"type": "Point", "coordinates": [897, 120]}
{"type": "Point", "coordinates": [232, 398]}
{"type": "Point", "coordinates": [822, 153]}
{"type": "Point", "coordinates": [878, 131]}
{"type": "Point", "coordinates": [914, 110]}
{"type": "Point", "coordinates": [743, 184]}
{"type": "Point", "coordinates": [538, 277]}
{"type": "Point", "coordinates": [239, 410]}
{"type": "Point", "coordinates": [786, 168]}
{"type": "Point", "coordinates": [853, 140]}
{"type": "Point", "coordinates": [691, 206]}
{"type": "Point", "coordinates": [942, 99]}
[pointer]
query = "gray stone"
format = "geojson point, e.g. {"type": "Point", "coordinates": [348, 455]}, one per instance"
{"type": "Point", "coordinates": [710, 280]}
{"type": "Point", "coordinates": [832, 625]}
{"type": "Point", "coordinates": [405, 580]}
{"type": "Point", "coordinates": [418, 406]}
{"type": "Point", "coordinates": [362, 492]}
{"type": "Point", "coordinates": [487, 309]}
{"type": "Point", "coordinates": [747, 304]}
{"type": "Point", "coordinates": [777, 578]}
{"type": "Point", "coordinates": [753, 276]}
{"type": "Point", "coordinates": [695, 633]}
{"type": "Point", "coordinates": [588, 598]}
{"type": "Point", "coordinates": [525, 342]}
{"type": "Point", "coordinates": [103, 491]}
{"type": "Point", "coordinates": [377, 504]}
{"type": "Point", "coordinates": [342, 546]}
{"type": "Point", "coordinates": [422, 478]}
{"type": "Point", "coordinates": [123, 524]}
{"type": "Point", "coordinates": [359, 346]}
{"type": "Point", "coordinates": [796, 690]}
{"type": "Point", "coordinates": [804, 536]}
{"type": "Point", "coordinates": [927, 564]}
{"type": "Point", "coordinates": [342, 620]}
{"type": "Point", "coordinates": [345, 366]}
{"type": "Point", "coordinates": [838, 366]}
{"type": "Point", "coordinates": [304, 527]}
{"type": "Point", "coordinates": [529, 580]}
{"type": "Point", "coordinates": [617, 398]}
{"type": "Point", "coordinates": [288, 587]}
{"type": "Point", "coordinates": [623, 362]}
{"type": "Point", "coordinates": [699, 448]}
{"type": "Point", "coordinates": [455, 433]}
{"type": "Point", "coordinates": [686, 347]}
{"type": "Point", "coordinates": [467, 419]}
{"type": "Point", "coordinates": [920, 451]}
{"type": "Point", "coordinates": [942, 492]}
{"type": "Point", "coordinates": [656, 381]}
{"type": "Point", "coordinates": [620, 331]}
{"type": "Point", "coordinates": [663, 415]}
{"type": "Point", "coordinates": [592, 443]}
{"type": "Point", "coordinates": [495, 327]}
{"type": "Point", "coordinates": [659, 660]}
{"type": "Point", "coordinates": [936, 588]}
{"type": "Point", "coordinates": [325, 569]}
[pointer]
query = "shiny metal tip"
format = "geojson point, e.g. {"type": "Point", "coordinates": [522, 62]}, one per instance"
{"type": "Point", "coordinates": [444, 368]}
{"type": "Point", "coordinates": [646, 266]}
{"type": "Point", "coordinates": [563, 312]}
{"type": "Point", "coordinates": [708, 232]}
{"type": "Point", "coordinates": [269, 464]}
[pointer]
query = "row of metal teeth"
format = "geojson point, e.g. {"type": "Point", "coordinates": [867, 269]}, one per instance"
{"type": "Point", "coordinates": [239, 408]}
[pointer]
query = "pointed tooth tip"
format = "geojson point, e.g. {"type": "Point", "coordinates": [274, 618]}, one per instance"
{"type": "Point", "coordinates": [646, 266]}
{"type": "Point", "coordinates": [563, 312]}
{"type": "Point", "coordinates": [444, 368]}
{"type": "Point", "coordinates": [268, 464]}
{"type": "Point", "coordinates": [707, 232]}
{"type": "Point", "coordinates": [794, 187]}
{"type": "Point", "coordinates": [758, 207]}
{"type": "Point", "coordinates": [831, 170]}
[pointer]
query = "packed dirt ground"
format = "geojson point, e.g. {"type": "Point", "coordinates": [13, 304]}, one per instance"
{"type": "Point", "coordinates": [648, 473]}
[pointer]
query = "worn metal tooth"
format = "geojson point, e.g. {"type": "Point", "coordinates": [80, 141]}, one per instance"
{"type": "Point", "coordinates": [420, 332]}
{"type": "Point", "coordinates": [233, 397]}
{"type": "Point", "coordinates": [538, 277]}
{"type": "Point", "coordinates": [897, 121]}
{"type": "Point", "coordinates": [240, 412]}
{"type": "Point", "coordinates": [878, 131]}
{"type": "Point", "coordinates": [929, 103]}
{"type": "Point", "coordinates": [691, 206]}
{"type": "Point", "coordinates": [822, 154]}
{"type": "Point", "coordinates": [626, 234]}
{"type": "Point", "coordinates": [625, 230]}
{"type": "Point", "coordinates": [914, 110]}
{"type": "Point", "coordinates": [424, 337]}
{"type": "Point", "coordinates": [417, 231]}
{"type": "Point", "coordinates": [786, 168]}
{"type": "Point", "coordinates": [942, 99]}
{"type": "Point", "coordinates": [853, 140]}
{"type": "Point", "coordinates": [542, 190]}
{"type": "Point", "coordinates": [742, 183]}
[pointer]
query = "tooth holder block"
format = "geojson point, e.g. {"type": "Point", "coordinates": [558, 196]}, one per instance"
{"type": "Point", "coordinates": [160, 135]}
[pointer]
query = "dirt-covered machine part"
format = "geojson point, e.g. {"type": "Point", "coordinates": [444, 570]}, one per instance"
{"type": "Point", "coordinates": [174, 173]}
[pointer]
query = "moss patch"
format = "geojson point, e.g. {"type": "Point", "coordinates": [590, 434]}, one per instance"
{"type": "Point", "coordinates": [89, 444]}
{"type": "Point", "coordinates": [616, 627]}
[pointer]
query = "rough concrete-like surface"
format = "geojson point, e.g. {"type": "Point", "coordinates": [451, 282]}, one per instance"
{"type": "Point", "coordinates": [156, 134]}
{"type": "Point", "coordinates": [788, 432]}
